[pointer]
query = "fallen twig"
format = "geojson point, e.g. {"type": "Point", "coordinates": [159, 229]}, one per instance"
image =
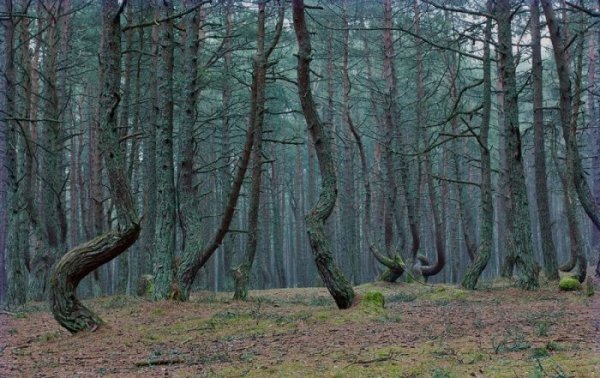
{"type": "Point", "coordinates": [377, 359]}
{"type": "Point", "coordinates": [166, 361]}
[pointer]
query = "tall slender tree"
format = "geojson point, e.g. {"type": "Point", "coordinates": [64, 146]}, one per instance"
{"type": "Point", "coordinates": [257, 110]}
{"type": "Point", "coordinates": [3, 161]}
{"type": "Point", "coordinates": [166, 196]}
{"type": "Point", "coordinates": [483, 253]}
{"type": "Point", "coordinates": [8, 179]}
{"type": "Point", "coordinates": [543, 204]}
{"type": "Point", "coordinates": [520, 240]}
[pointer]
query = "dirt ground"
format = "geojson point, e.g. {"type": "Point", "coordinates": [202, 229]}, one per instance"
{"type": "Point", "coordinates": [424, 331]}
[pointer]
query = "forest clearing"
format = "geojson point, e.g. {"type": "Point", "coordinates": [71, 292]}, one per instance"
{"type": "Point", "coordinates": [424, 331]}
{"type": "Point", "coordinates": [402, 188]}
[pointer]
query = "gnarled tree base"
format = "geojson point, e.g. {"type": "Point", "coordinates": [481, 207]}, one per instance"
{"type": "Point", "coordinates": [337, 284]}
{"type": "Point", "coordinates": [241, 279]}
{"type": "Point", "coordinates": [474, 271]}
{"type": "Point", "coordinates": [390, 275]}
{"type": "Point", "coordinates": [76, 264]}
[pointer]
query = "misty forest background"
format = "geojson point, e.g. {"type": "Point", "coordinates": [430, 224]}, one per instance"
{"type": "Point", "coordinates": [451, 146]}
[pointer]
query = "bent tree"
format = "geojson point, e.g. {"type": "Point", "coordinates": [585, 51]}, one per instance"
{"type": "Point", "coordinates": [569, 103]}
{"type": "Point", "coordinates": [338, 286]}
{"type": "Point", "coordinates": [85, 258]}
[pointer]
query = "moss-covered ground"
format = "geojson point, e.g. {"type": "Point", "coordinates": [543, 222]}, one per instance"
{"type": "Point", "coordinates": [423, 331]}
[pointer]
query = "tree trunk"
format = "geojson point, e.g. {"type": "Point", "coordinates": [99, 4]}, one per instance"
{"type": "Point", "coordinates": [13, 269]}
{"type": "Point", "coordinates": [80, 261]}
{"type": "Point", "coordinates": [5, 7]}
{"type": "Point", "coordinates": [437, 213]}
{"type": "Point", "coordinates": [50, 228]}
{"type": "Point", "coordinates": [149, 150]}
{"type": "Point", "coordinates": [334, 280]}
{"type": "Point", "coordinates": [520, 241]}
{"type": "Point", "coordinates": [577, 257]}
{"type": "Point", "coordinates": [569, 105]}
{"type": "Point", "coordinates": [241, 274]}
{"type": "Point", "coordinates": [194, 259]}
{"type": "Point", "coordinates": [166, 216]}
{"type": "Point", "coordinates": [122, 266]}
{"type": "Point", "coordinates": [189, 214]}
{"type": "Point", "coordinates": [568, 117]}
{"type": "Point", "coordinates": [393, 262]}
{"type": "Point", "coordinates": [224, 262]}
{"type": "Point", "coordinates": [543, 205]}
{"type": "Point", "coordinates": [594, 141]}
{"type": "Point", "coordinates": [482, 256]}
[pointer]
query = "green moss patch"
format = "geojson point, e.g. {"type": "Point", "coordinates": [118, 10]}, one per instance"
{"type": "Point", "coordinates": [569, 284]}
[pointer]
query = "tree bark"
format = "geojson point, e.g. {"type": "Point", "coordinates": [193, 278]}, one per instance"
{"type": "Point", "coordinates": [568, 117]}
{"type": "Point", "coordinates": [543, 205]}
{"type": "Point", "coordinates": [10, 271]}
{"type": "Point", "coordinates": [484, 251]}
{"type": "Point", "coordinates": [194, 259]}
{"type": "Point", "coordinates": [51, 228]}
{"type": "Point", "coordinates": [166, 215]}
{"type": "Point", "coordinates": [5, 45]}
{"type": "Point", "coordinates": [241, 274]}
{"type": "Point", "coordinates": [393, 262]}
{"type": "Point", "coordinates": [189, 215]}
{"type": "Point", "coordinates": [520, 241]}
{"type": "Point", "coordinates": [578, 258]}
{"type": "Point", "coordinates": [152, 117]}
{"type": "Point", "coordinates": [437, 213]}
{"type": "Point", "coordinates": [334, 280]}
{"type": "Point", "coordinates": [80, 261]}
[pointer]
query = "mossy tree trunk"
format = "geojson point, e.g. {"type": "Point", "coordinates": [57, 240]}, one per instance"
{"type": "Point", "coordinates": [188, 202]}
{"type": "Point", "coordinates": [5, 46]}
{"type": "Point", "coordinates": [482, 256]}
{"type": "Point", "coordinates": [338, 286]}
{"type": "Point", "coordinates": [241, 274]}
{"type": "Point", "coordinates": [81, 260]}
{"type": "Point", "coordinates": [166, 217]}
{"type": "Point", "coordinates": [520, 241]}
{"type": "Point", "coordinates": [12, 264]}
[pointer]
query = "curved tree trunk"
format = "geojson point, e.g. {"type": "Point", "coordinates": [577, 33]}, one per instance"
{"type": "Point", "coordinates": [334, 280]}
{"type": "Point", "coordinates": [80, 261]}
{"type": "Point", "coordinates": [575, 182]}
{"type": "Point", "coordinates": [568, 117]}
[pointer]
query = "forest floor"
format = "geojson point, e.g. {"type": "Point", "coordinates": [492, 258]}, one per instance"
{"type": "Point", "coordinates": [423, 331]}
